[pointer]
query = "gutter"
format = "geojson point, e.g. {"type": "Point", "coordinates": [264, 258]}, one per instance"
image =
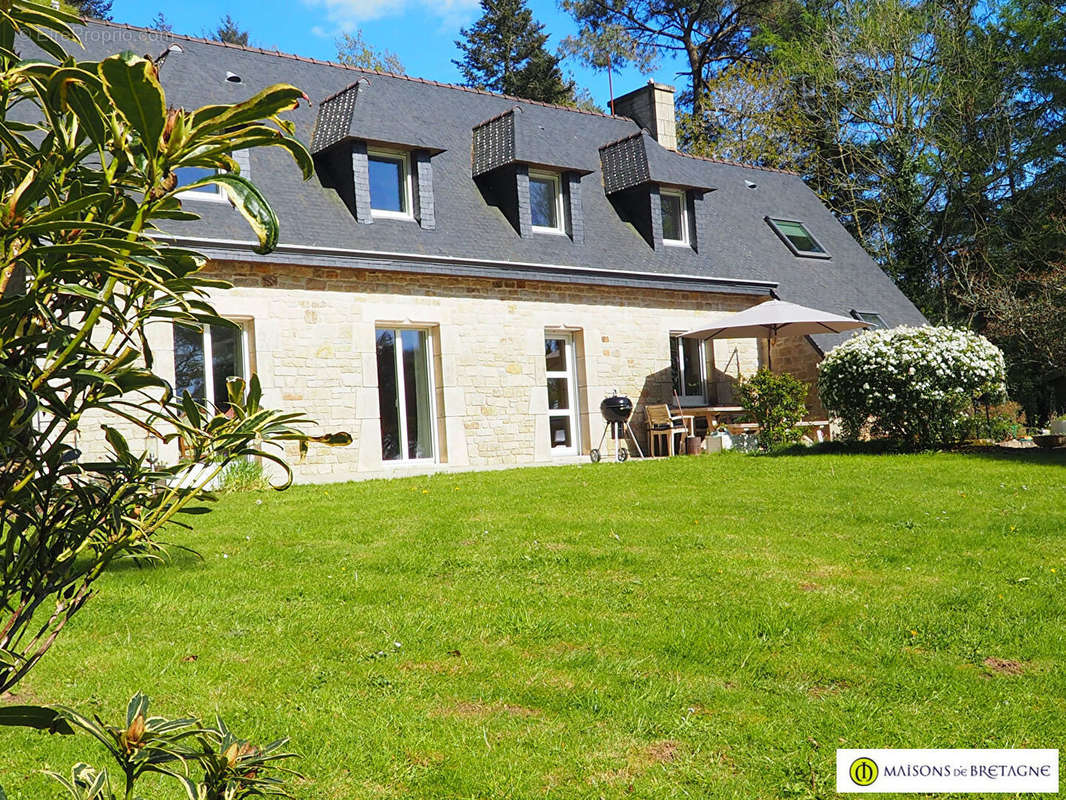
{"type": "Point", "coordinates": [238, 250]}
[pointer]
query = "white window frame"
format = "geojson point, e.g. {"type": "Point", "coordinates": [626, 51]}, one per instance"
{"type": "Point", "coordinates": [689, 399]}
{"type": "Point", "coordinates": [404, 158]}
{"type": "Point", "coordinates": [557, 184]}
{"type": "Point", "coordinates": [570, 374]}
{"type": "Point", "coordinates": [401, 391]}
{"type": "Point", "coordinates": [244, 324]}
{"type": "Point", "coordinates": [243, 159]}
{"type": "Point", "coordinates": [680, 195]}
{"type": "Point", "coordinates": [216, 196]}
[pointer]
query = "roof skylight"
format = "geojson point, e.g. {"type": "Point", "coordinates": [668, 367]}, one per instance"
{"type": "Point", "coordinates": [799, 240]}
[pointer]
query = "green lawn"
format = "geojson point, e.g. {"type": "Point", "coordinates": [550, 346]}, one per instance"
{"type": "Point", "coordinates": [694, 627]}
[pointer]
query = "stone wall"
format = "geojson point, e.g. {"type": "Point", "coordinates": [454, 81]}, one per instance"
{"type": "Point", "coordinates": [798, 356]}
{"type": "Point", "coordinates": [313, 344]}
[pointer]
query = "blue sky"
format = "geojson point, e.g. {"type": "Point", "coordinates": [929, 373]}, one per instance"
{"type": "Point", "coordinates": [421, 32]}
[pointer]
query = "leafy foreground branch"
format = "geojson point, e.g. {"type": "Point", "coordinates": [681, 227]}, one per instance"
{"type": "Point", "coordinates": [90, 153]}
{"type": "Point", "coordinates": [208, 761]}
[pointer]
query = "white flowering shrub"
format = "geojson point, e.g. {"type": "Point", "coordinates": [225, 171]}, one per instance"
{"type": "Point", "coordinates": [910, 383]}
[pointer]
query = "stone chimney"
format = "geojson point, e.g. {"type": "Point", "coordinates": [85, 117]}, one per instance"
{"type": "Point", "coordinates": [651, 107]}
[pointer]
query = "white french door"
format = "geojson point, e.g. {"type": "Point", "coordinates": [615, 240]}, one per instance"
{"type": "Point", "coordinates": [688, 364]}
{"type": "Point", "coordinates": [560, 369]}
{"type": "Point", "coordinates": [406, 395]}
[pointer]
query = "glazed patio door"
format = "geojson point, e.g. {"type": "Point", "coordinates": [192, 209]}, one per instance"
{"type": "Point", "coordinates": [562, 392]}
{"type": "Point", "coordinates": [405, 394]}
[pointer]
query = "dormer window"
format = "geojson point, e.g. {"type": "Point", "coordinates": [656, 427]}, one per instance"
{"type": "Point", "coordinates": [797, 237]}
{"type": "Point", "coordinates": [390, 184]}
{"type": "Point", "coordinates": [674, 217]}
{"type": "Point", "coordinates": [545, 202]}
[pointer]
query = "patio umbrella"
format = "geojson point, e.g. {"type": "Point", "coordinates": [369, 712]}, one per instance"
{"type": "Point", "coordinates": [776, 318]}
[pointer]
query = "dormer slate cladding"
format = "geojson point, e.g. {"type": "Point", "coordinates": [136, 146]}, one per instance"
{"type": "Point", "coordinates": [634, 169]}
{"type": "Point", "coordinates": [494, 144]}
{"type": "Point", "coordinates": [339, 144]}
{"type": "Point", "coordinates": [503, 149]}
{"type": "Point", "coordinates": [625, 164]}
{"type": "Point", "coordinates": [638, 159]}
{"type": "Point", "coordinates": [334, 121]}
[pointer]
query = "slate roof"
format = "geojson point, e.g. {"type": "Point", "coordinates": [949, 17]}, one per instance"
{"type": "Point", "coordinates": [734, 241]}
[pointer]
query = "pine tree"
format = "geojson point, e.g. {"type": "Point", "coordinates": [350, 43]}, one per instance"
{"type": "Point", "coordinates": [229, 32]}
{"type": "Point", "coordinates": [505, 52]}
{"type": "Point", "coordinates": [94, 9]}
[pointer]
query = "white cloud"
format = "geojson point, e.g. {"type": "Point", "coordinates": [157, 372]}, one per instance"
{"type": "Point", "coordinates": [346, 15]}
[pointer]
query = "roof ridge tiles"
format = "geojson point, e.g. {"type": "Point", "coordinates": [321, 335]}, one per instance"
{"type": "Point", "coordinates": [742, 164]}
{"type": "Point", "coordinates": [339, 65]}
{"type": "Point", "coordinates": [726, 162]}
{"type": "Point", "coordinates": [414, 79]}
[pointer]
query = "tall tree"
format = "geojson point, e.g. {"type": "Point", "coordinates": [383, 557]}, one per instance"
{"type": "Point", "coordinates": [504, 51]}
{"type": "Point", "coordinates": [1007, 219]}
{"type": "Point", "coordinates": [708, 34]}
{"type": "Point", "coordinates": [353, 49]}
{"type": "Point", "coordinates": [936, 131]}
{"type": "Point", "coordinates": [230, 32]}
{"type": "Point", "coordinates": [94, 9]}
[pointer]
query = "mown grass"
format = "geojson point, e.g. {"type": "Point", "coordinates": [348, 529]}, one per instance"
{"type": "Point", "coordinates": [698, 627]}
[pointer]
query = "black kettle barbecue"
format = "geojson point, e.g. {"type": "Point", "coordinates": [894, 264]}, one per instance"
{"type": "Point", "coordinates": [616, 411]}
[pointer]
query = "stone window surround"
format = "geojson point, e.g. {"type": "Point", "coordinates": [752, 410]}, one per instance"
{"type": "Point", "coordinates": [437, 411]}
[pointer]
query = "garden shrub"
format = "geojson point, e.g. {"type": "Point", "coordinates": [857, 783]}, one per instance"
{"type": "Point", "coordinates": [910, 383]}
{"type": "Point", "coordinates": [776, 401]}
{"type": "Point", "coordinates": [995, 427]}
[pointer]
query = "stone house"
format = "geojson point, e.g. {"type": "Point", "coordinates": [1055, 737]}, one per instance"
{"type": "Point", "coordinates": [470, 274]}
